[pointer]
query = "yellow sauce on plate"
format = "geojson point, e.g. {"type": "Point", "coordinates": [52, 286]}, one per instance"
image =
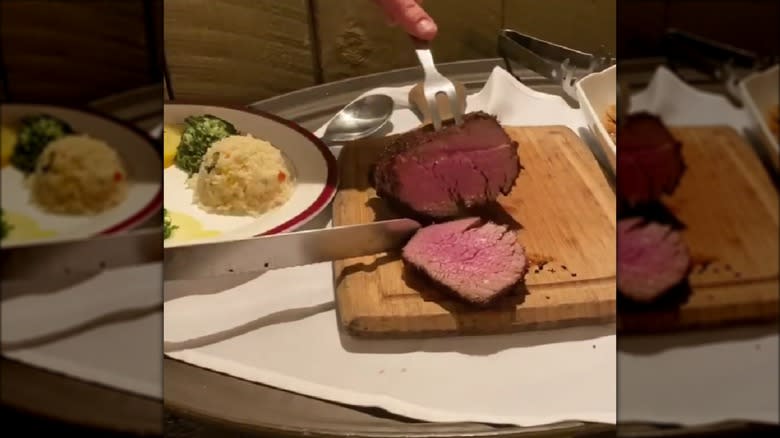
{"type": "Point", "coordinates": [7, 142]}
{"type": "Point", "coordinates": [25, 228]}
{"type": "Point", "coordinates": [171, 140]}
{"type": "Point", "coordinates": [188, 228]}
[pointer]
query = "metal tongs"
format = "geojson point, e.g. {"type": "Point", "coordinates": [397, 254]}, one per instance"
{"type": "Point", "coordinates": [719, 61]}
{"type": "Point", "coordinates": [553, 61]}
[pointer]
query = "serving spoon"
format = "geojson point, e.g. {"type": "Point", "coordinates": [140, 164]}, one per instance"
{"type": "Point", "coordinates": [359, 119]}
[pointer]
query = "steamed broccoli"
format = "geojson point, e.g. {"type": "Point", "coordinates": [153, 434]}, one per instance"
{"type": "Point", "coordinates": [168, 225]}
{"type": "Point", "coordinates": [200, 132]}
{"type": "Point", "coordinates": [36, 132]}
{"type": "Point", "coordinates": [5, 227]}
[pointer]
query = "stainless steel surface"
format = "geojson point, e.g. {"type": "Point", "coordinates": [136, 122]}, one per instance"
{"type": "Point", "coordinates": [359, 119]}
{"type": "Point", "coordinates": [312, 107]}
{"type": "Point", "coordinates": [142, 108]}
{"type": "Point", "coordinates": [553, 61]}
{"type": "Point", "coordinates": [195, 394]}
{"type": "Point", "coordinates": [259, 254]}
{"type": "Point", "coordinates": [82, 256]}
{"type": "Point", "coordinates": [436, 84]}
{"type": "Point", "coordinates": [139, 106]}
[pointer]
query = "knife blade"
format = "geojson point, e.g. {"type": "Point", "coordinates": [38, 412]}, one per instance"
{"type": "Point", "coordinates": [82, 256]}
{"type": "Point", "coordinates": [298, 248]}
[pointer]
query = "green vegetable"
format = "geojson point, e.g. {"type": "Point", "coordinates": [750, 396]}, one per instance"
{"type": "Point", "coordinates": [35, 133]}
{"type": "Point", "coordinates": [5, 227]}
{"type": "Point", "coordinates": [200, 132]}
{"type": "Point", "coordinates": [168, 225]}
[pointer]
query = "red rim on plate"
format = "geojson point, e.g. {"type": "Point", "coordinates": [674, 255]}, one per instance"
{"type": "Point", "coordinates": [155, 203]}
{"type": "Point", "coordinates": [331, 183]}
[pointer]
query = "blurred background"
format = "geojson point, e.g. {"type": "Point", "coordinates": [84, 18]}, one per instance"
{"type": "Point", "coordinates": [747, 24]}
{"type": "Point", "coordinates": [240, 51]}
{"type": "Point", "coordinates": [78, 51]}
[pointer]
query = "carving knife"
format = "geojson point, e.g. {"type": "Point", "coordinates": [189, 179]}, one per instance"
{"type": "Point", "coordinates": [259, 254]}
{"type": "Point", "coordinates": [79, 256]}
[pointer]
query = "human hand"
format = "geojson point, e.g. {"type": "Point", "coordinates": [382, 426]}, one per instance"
{"type": "Point", "coordinates": [410, 15]}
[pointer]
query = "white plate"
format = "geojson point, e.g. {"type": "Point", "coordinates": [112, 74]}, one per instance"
{"type": "Point", "coordinates": [596, 92]}
{"type": "Point", "coordinates": [759, 94]}
{"type": "Point", "coordinates": [32, 225]}
{"type": "Point", "coordinates": [313, 165]}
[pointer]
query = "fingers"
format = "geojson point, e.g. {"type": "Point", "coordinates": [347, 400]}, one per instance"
{"type": "Point", "coordinates": [390, 19]}
{"type": "Point", "coordinates": [410, 16]}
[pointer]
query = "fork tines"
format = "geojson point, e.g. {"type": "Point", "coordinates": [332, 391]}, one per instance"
{"type": "Point", "coordinates": [435, 84]}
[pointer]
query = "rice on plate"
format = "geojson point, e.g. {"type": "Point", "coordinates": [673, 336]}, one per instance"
{"type": "Point", "coordinates": [234, 173]}
{"type": "Point", "coordinates": [77, 174]}
{"type": "Point", "coordinates": [241, 174]}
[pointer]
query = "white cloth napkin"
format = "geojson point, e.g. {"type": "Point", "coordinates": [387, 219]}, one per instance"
{"type": "Point", "coordinates": [678, 103]}
{"type": "Point", "coordinates": [104, 329]}
{"type": "Point", "coordinates": [280, 329]}
{"type": "Point", "coordinates": [699, 377]}
{"type": "Point", "coordinates": [36, 309]}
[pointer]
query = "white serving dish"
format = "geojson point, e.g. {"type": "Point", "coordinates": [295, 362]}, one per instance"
{"type": "Point", "coordinates": [759, 92]}
{"type": "Point", "coordinates": [596, 92]}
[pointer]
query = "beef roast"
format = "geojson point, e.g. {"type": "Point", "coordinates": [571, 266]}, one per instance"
{"type": "Point", "coordinates": [444, 174]}
{"type": "Point", "coordinates": [476, 260]}
{"type": "Point", "coordinates": [649, 160]}
{"type": "Point", "coordinates": [652, 258]}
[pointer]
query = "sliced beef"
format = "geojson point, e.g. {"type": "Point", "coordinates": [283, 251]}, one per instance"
{"type": "Point", "coordinates": [649, 160]}
{"type": "Point", "coordinates": [446, 173]}
{"type": "Point", "coordinates": [652, 259]}
{"type": "Point", "coordinates": [474, 259]}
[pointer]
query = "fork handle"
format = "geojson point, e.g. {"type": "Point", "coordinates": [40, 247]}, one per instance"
{"type": "Point", "coordinates": [420, 44]}
{"type": "Point", "coordinates": [423, 51]}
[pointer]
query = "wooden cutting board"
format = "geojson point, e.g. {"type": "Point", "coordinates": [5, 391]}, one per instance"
{"type": "Point", "coordinates": [729, 207]}
{"type": "Point", "coordinates": [566, 209]}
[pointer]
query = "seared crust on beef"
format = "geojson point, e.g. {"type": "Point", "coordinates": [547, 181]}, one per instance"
{"type": "Point", "coordinates": [462, 167]}
{"type": "Point", "coordinates": [650, 162]}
